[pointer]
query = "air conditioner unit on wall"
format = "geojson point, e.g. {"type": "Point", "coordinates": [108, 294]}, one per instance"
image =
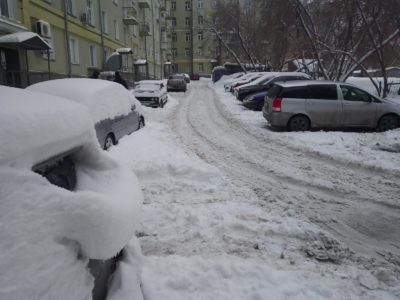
{"type": "Point", "coordinates": [43, 28]}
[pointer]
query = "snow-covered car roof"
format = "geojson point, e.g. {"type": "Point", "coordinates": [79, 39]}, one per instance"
{"type": "Point", "coordinates": [105, 99]}
{"type": "Point", "coordinates": [35, 126]}
{"type": "Point", "coordinates": [150, 82]}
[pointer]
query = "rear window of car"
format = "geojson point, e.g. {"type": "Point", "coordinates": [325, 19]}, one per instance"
{"type": "Point", "coordinates": [274, 91]}
{"type": "Point", "coordinates": [323, 92]}
{"type": "Point", "coordinates": [176, 77]}
{"type": "Point", "coordinates": [295, 92]}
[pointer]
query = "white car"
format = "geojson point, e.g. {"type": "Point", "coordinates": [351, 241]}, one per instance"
{"type": "Point", "coordinates": [152, 93]}
{"type": "Point", "coordinates": [67, 208]}
{"type": "Point", "coordinates": [114, 110]}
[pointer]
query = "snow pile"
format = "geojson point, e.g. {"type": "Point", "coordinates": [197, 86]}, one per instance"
{"type": "Point", "coordinates": [47, 233]}
{"type": "Point", "coordinates": [105, 99]}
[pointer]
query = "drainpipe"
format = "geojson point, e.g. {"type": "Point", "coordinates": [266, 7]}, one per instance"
{"type": "Point", "coordinates": [67, 39]}
{"type": "Point", "coordinates": [191, 38]}
{"type": "Point", "coordinates": [154, 41]}
{"type": "Point", "coordinates": [102, 37]}
{"type": "Point", "coordinates": [145, 46]}
{"type": "Point", "coordinates": [161, 41]}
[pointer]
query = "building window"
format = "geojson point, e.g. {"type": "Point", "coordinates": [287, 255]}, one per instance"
{"type": "Point", "coordinates": [187, 5]}
{"type": "Point", "coordinates": [74, 51]}
{"type": "Point", "coordinates": [4, 9]}
{"type": "Point", "coordinates": [187, 52]}
{"type": "Point", "coordinates": [174, 52]}
{"type": "Point", "coordinates": [200, 51]}
{"type": "Point", "coordinates": [200, 67]}
{"type": "Point", "coordinates": [173, 22]}
{"type": "Point", "coordinates": [104, 21]}
{"type": "Point", "coordinates": [200, 3]}
{"type": "Point", "coordinates": [173, 5]}
{"type": "Point", "coordinates": [89, 12]}
{"type": "Point", "coordinates": [174, 37]}
{"type": "Point", "coordinates": [70, 7]}
{"type": "Point", "coordinates": [200, 20]}
{"type": "Point", "coordinates": [214, 36]}
{"type": "Point", "coordinates": [92, 56]}
{"type": "Point", "coordinates": [116, 29]}
{"type": "Point", "coordinates": [214, 3]}
{"type": "Point", "coordinates": [187, 37]}
{"type": "Point", "coordinates": [187, 21]}
{"type": "Point", "coordinates": [115, 2]}
{"type": "Point", "coordinates": [200, 35]}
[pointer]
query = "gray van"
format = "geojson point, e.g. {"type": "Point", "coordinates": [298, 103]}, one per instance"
{"type": "Point", "coordinates": [301, 105]}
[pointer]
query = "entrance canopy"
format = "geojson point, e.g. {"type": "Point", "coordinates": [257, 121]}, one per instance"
{"type": "Point", "coordinates": [24, 40]}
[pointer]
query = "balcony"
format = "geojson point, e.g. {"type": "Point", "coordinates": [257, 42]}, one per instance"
{"type": "Point", "coordinates": [143, 3]}
{"type": "Point", "coordinates": [165, 25]}
{"type": "Point", "coordinates": [144, 29]}
{"type": "Point", "coordinates": [130, 16]}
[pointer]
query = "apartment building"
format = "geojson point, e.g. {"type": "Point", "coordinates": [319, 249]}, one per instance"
{"type": "Point", "coordinates": [83, 34]}
{"type": "Point", "coordinates": [193, 45]}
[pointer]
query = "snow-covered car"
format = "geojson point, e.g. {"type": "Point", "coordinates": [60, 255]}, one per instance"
{"type": "Point", "coordinates": [246, 78]}
{"type": "Point", "coordinates": [115, 111]}
{"type": "Point", "coordinates": [151, 93]}
{"type": "Point", "coordinates": [67, 208]}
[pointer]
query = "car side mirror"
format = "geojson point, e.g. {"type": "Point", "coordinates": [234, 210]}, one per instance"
{"type": "Point", "coordinates": [133, 107]}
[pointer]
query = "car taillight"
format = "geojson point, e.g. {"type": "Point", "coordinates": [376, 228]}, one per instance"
{"type": "Point", "coordinates": [277, 105]}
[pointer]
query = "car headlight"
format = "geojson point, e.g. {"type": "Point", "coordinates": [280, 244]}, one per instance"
{"type": "Point", "coordinates": [250, 98]}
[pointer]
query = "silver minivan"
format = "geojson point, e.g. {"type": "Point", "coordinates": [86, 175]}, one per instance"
{"type": "Point", "coordinates": [301, 105]}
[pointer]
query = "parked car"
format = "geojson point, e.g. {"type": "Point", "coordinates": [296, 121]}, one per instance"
{"type": "Point", "coordinates": [265, 82]}
{"type": "Point", "coordinates": [187, 77]}
{"type": "Point", "coordinates": [244, 80]}
{"type": "Point", "coordinates": [301, 105]}
{"type": "Point", "coordinates": [235, 77]}
{"type": "Point", "coordinates": [115, 111]}
{"type": "Point", "coordinates": [63, 218]}
{"type": "Point", "coordinates": [176, 82]}
{"type": "Point", "coordinates": [195, 77]}
{"type": "Point", "coordinates": [151, 93]}
{"type": "Point", "coordinates": [255, 101]}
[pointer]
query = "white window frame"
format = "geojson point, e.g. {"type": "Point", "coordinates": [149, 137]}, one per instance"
{"type": "Point", "coordinates": [187, 21]}
{"type": "Point", "coordinates": [174, 37]}
{"type": "Point", "coordinates": [71, 7]}
{"type": "Point", "coordinates": [200, 51]}
{"type": "Point", "coordinates": [187, 37]}
{"type": "Point", "coordinates": [74, 51]}
{"type": "Point", "coordinates": [187, 5]}
{"type": "Point", "coordinates": [174, 52]}
{"type": "Point", "coordinates": [200, 20]}
{"type": "Point", "coordinates": [92, 56]}
{"type": "Point", "coordinates": [200, 67]}
{"type": "Point", "coordinates": [187, 51]}
{"type": "Point", "coordinates": [116, 29]}
{"type": "Point", "coordinates": [200, 3]}
{"type": "Point", "coordinates": [200, 36]}
{"type": "Point", "coordinates": [90, 12]}
{"type": "Point", "coordinates": [173, 22]}
{"type": "Point", "coordinates": [173, 5]}
{"type": "Point", "coordinates": [104, 21]}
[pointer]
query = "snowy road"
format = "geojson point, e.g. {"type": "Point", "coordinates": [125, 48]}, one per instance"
{"type": "Point", "coordinates": [232, 211]}
{"type": "Point", "coordinates": [361, 206]}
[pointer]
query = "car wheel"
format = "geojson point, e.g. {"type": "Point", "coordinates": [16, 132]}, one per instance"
{"type": "Point", "coordinates": [109, 141]}
{"type": "Point", "coordinates": [299, 123]}
{"type": "Point", "coordinates": [388, 122]}
{"type": "Point", "coordinates": [260, 106]}
{"type": "Point", "coordinates": [141, 123]}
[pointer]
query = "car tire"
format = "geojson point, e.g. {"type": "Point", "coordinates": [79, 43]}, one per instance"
{"type": "Point", "coordinates": [388, 122]}
{"type": "Point", "coordinates": [260, 106]}
{"type": "Point", "coordinates": [109, 141]}
{"type": "Point", "coordinates": [299, 123]}
{"type": "Point", "coordinates": [141, 123]}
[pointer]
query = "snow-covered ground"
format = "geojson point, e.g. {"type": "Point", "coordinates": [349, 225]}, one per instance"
{"type": "Point", "coordinates": [235, 211]}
